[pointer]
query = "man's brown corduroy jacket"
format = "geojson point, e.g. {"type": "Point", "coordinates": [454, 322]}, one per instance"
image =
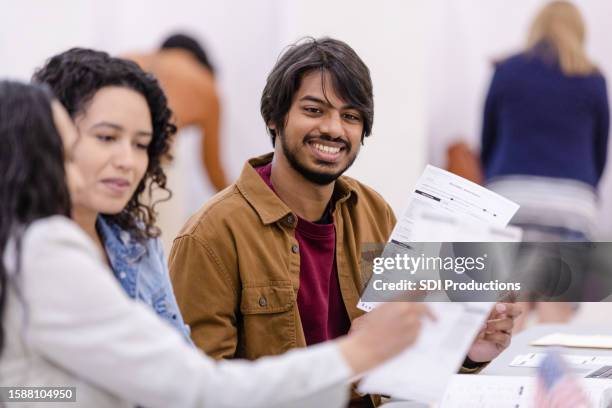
{"type": "Point", "coordinates": [235, 266]}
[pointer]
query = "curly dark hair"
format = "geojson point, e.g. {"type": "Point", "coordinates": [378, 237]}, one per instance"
{"type": "Point", "coordinates": [75, 76]}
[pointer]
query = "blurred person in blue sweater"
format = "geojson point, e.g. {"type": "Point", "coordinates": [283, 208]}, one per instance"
{"type": "Point", "coordinates": [545, 134]}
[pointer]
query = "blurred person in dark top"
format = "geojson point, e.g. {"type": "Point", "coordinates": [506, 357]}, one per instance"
{"type": "Point", "coordinates": [545, 134]}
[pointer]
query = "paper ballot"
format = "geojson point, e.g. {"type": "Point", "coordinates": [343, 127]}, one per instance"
{"type": "Point", "coordinates": [422, 372]}
{"type": "Point", "coordinates": [447, 208]}
{"type": "Point", "coordinates": [443, 192]}
{"type": "Point", "coordinates": [433, 226]}
{"type": "Point", "coordinates": [443, 207]}
{"type": "Point", "coordinates": [484, 391]}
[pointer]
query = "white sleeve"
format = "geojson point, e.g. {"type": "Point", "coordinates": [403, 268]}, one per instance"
{"type": "Point", "coordinates": [80, 319]}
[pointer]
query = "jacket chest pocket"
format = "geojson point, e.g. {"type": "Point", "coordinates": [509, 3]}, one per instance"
{"type": "Point", "coordinates": [268, 319]}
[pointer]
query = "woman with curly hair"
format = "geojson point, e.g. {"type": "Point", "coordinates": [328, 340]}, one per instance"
{"type": "Point", "coordinates": [124, 125]}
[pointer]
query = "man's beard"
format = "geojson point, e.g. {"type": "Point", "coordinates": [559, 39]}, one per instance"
{"type": "Point", "coordinates": [317, 177]}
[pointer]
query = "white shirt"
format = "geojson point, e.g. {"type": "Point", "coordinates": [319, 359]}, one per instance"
{"type": "Point", "coordinates": [68, 323]}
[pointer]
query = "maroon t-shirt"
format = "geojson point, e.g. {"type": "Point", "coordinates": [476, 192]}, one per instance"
{"type": "Point", "coordinates": [322, 310]}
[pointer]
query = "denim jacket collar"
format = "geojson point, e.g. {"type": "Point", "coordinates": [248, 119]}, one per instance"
{"type": "Point", "coordinates": [123, 253]}
{"type": "Point", "coordinates": [112, 235]}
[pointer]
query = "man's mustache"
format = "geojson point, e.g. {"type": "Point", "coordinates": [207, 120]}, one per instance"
{"type": "Point", "coordinates": [329, 138]}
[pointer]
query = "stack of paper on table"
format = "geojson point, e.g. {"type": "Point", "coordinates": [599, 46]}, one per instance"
{"type": "Point", "coordinates": [574, 340]}
{"type": "Point", "coordinates": [534, 360]}
{"type": "Point", "coordinates": [483, 391]}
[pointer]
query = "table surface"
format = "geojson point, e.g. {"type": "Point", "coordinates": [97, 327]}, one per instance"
{"type": "Point", "coordinates": [520, 345]}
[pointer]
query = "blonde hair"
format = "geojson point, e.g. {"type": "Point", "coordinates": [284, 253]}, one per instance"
{"type": "Point", "coordinates": [560, 25]}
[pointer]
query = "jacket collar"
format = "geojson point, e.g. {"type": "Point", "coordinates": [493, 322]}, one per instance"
{"type": "Point", "coordinates": [266, 203]}
{"type": "Point", "coordinates": [119, 242]}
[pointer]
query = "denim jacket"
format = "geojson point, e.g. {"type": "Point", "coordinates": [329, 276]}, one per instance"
{"type": "Point", "coordinates": [142, 272]}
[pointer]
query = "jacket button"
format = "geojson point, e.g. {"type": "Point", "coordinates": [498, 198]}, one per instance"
{"type": "Point", "coordinates": [263, 302]}
{"type": "Point", "coordinates": [295, 249]}
{"type": "Point", "coordinates": [290, 219]}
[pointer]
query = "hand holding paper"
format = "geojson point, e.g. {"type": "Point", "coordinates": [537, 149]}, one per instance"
{"type": "Point", "coordinates": [401, 324]}
{"type": "Point", "coordinates": [422, 371]}
{"type": "Point", "coordinates": [495, 336]}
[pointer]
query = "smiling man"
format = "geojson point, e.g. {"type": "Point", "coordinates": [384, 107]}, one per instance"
{"type": "Point", "coordinates": [273, 261]}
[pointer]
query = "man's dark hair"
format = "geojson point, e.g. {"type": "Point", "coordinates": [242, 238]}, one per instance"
{"type": "Point", "coordinates": [187, 43]}
{"type": "Point", "coordinates": [75, 76]}
{"type": "Point", "coordinates": [350, 79]}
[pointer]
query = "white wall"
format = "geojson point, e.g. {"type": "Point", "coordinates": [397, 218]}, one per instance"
{"type": "Point", "coordinates": [33, 30]}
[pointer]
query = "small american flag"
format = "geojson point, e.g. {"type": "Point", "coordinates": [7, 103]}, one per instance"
{"type": "Point", "coordinates": [556, 388]}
